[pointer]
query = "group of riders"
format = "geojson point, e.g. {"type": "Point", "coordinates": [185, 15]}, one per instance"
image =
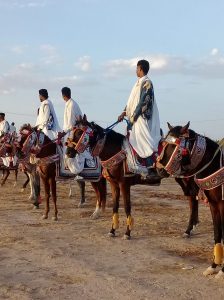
{"type": "Point", "coordinates": [141, 112]}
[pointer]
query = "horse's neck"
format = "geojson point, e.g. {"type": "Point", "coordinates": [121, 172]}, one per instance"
{"type": "Point", "coordinates": [112, 146]}
{"type": "Point", "coordinates": [209, 159]}
{"type": "Point", "coordinates": [48, 148]}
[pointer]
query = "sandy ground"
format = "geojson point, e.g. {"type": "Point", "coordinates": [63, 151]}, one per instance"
{"type": "Point", "coordinates": [74, 259]}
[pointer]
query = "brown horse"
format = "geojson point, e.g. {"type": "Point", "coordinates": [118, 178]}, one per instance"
{"type": "Point", "coordinates": [45, 152]}
{"type": "Point", "coordinates": [120, 184]}
{"type": "Point", "coordinates": [190, 155]}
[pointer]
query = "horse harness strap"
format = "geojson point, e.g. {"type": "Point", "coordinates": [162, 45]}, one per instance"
{"type": "Point", "coordinates": [173, 167]}
{"type": "Point", "coordinates": [114, 160]}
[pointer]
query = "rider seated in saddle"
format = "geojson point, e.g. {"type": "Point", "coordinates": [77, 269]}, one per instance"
{"type": "Point", "coordinates": [47, 120]}
{"type": "Point", "coordinates": [143, 116]}
{"type": "Point", "coordinates": [4, 125]}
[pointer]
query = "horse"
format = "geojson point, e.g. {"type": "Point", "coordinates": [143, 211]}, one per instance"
{"type": "Point", "coordinates": [7, 154]}
{"type": "Point", "coordinates": [188, 154]}
{"type": "Point", "coordinates": [111, 148]}
{"type": "Point", "coordinates": [45, 155]}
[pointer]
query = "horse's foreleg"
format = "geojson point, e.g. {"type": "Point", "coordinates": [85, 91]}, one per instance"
{"type": "Point", "coordinates": [16, 175]}
{"type": "Point", "coordinates": [26, 182]}
{"type": "Point", "coordinates": [97, 211]}
{"type": "Point", "coordinates": [54, 197]}
{"type": "Point", "coordinates": [125, 191]}
{"type": "Point", "coordinates": [6, 175]}
{"type": "Point", "coordinates": [193, 220]}
{"type": "Point", "coordinates": [115, 189]}
{"type": "Point", "coordinates": [81, 185]}
{"type": "Point", "coordinates": [218, 248]}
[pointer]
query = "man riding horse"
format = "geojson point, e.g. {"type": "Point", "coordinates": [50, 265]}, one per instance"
{"type": "Point", "coordinates": [143, 116]}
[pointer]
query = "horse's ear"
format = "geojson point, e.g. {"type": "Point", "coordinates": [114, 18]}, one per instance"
{"type": "Point", "coordinates": [169, 126]}
{"type": "Point", "coordinates": [84, 118]}
{"type": "Point", "coordinates": [184, 129]}
{"type": "Point", "coordinates": [79, 118]}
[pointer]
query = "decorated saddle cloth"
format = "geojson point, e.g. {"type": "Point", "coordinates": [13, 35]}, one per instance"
{"type": "Point", "coordinates": [9, 162]}
{"type": "Point", "coordinates": [133, 163]}
{"type": "Point", "coordinates": [84, 167]}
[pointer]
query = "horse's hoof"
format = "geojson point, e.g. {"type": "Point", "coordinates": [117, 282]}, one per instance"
{"type": "Point", "coordinates": [44, 217]}
{"type": "Point", "coordinates": [209, 271]}
{"type": "Point", "coordinates": [126, 237]}
{"type": "Point", "coordinates": [219, 275]}
{"type": "Point", "coordinates": [81, 204]}
{"type": "Point", "coordinates": [95, 216]}
{"type": "Point", "coordinates": [110, 234]}
{"type": "Point", "coordinates": [195, 227]}
{"type": "Point", "coordinates": [186, 235]}
{"type": "Point", "coordinates": [55, 218]}
{"type": "Point", "coordinates": [35, 206]}
{"type": "Point", "coordinates": [22, 190]}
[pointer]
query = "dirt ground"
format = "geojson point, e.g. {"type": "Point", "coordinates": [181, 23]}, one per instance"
{"type": "Point", "coordinates": [75, 259]}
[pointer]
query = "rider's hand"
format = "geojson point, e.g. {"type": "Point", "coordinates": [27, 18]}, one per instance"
{"type": "Point", "coordinates": [121, 117]}
{"type": "Point", "coordinates": [61, 134]}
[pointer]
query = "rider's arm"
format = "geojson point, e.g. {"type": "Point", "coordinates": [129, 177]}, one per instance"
{"type": "Point", "coordinates": [145, 102]}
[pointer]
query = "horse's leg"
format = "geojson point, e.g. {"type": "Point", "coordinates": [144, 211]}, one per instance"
{"type": "Point", "coordinates": [6, 175]}
{"type": "Point", "coordinates": [26, 182]}
{"type": "Point", "coordinates": [125, 191]}
{"type": "Point", "coordinates": [16, 175]}
{"type": "Point", "coordinates": [81, 185]}
{"type": "Point", "coordinates": [46, 185]}
{"type": "Point", "coordinates": [54, 196]}
{"type": "Point", "coordinates": [221, 249]}
{"type": "Point", "coordinates": [70, 190]}
{"type": "Point", "coordinates": [218, 249]}
{"type": "Point", "coordinates": [193, 220]}
{"type": "Point", "coordinates": [115, 190]}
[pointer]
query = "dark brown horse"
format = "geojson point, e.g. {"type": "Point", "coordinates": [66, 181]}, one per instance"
{"type": "Point", "coordinates": [45, 151]}
{"type": "Point", "coordinates": [120, 184]}
{"type": "Point", "coordinates": [190, 155]}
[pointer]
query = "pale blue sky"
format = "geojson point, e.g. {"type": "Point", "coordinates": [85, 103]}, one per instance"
{"type": "Point", "coordinates": [92, 46]}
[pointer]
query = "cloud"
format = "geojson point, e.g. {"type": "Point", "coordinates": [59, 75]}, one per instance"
{"type": "Point", "coordinates": [50, 55]}
{"type": "Point", "coordinates": [209, 66]}
{"type": "Point", "coordinates": [84, 63]}
{"type": "Point", "coordinates": [23, 4]}
{"type": "Point", "coordinates": [19, 49]}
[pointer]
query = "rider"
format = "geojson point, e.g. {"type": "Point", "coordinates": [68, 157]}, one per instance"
{"type": "Point", "coordinates": [142, 113]}
{"type": "Point", "coordinates": [4, 125]}
{"type": "Point", "coordinates": [71, 114]}
{"type": "Point", "coordinates": [47, 120]}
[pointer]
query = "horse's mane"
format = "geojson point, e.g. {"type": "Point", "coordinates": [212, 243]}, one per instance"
{"type": "Point", "coordinates": [113, 136]}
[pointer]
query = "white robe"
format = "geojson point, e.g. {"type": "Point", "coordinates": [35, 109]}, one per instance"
{"type": "Point", "coordinates": [145, 134]}
{"type": "Point", "coordinates": [47, 108]}
{"type": "Point", "coordinates": [4, 127]}
{"type": "Point", "coordinates": [71, 113]}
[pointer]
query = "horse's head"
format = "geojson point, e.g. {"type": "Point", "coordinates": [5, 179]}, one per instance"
{"type": "Point", "coordinates": [85, 134]}
{"type": "Point", "coordinates": [176, 148]}
{"type": "Point", "coordinates": [22, 140]}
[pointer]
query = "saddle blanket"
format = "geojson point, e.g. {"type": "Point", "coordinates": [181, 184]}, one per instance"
{"type": "Point", "coordinates": [83, 167]}
{"type": "Point", "coordinates": [132, 164]}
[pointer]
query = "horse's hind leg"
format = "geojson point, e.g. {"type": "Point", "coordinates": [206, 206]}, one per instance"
{"type": "Point", "coordinates": [115, 189]}
{"type": "Point", "coordinates": [221, 248]}
{"type": "Point", "coordinates": [47, 196]}
{"type": "Point", "coordinates": [218, 248]}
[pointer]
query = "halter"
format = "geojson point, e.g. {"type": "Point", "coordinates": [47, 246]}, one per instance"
{"type": "Point", "coordinates": [83, 142]}
{"type": "Point", "coordinates": [174, 166]}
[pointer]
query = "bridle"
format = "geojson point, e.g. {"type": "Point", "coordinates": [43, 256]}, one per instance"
{"type": "Point", "coordinates": [174, 166]}
{"type": "Point", "coordinates": [83, 142]}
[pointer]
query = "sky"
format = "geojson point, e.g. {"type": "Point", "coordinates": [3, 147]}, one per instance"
{"type": "Point", "coordinates": [93, 46]}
